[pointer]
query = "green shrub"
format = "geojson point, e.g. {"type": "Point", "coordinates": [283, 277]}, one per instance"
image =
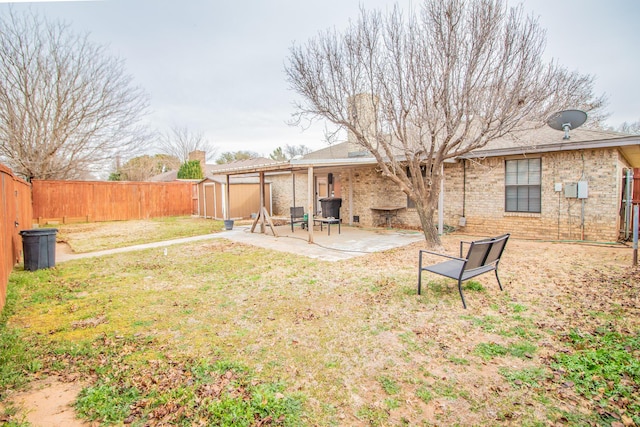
{"type": "Point", "coordinates": [190, 170]}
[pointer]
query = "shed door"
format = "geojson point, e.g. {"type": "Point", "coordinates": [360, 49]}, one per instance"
{"type": "Point", "coordinates": [209, 201]}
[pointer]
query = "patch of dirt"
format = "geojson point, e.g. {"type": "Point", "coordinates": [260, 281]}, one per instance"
{"type": "Point", "coordinates": [49, 402]}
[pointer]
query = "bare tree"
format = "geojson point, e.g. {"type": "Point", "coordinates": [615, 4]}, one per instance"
{"type": "Point", "coordinates": [436, 85]}
{"type": "Point", "coordinates": [233, 156]}
{"type": "Point", "coordinates": [66, 106]}
{"type": "Point", "coordinates": [291, 151]}
{"type": "Point", "coordinates": [180, 141]}
{"type": "Point", "coordinates": [142, 168]}
{"type": "Point", "coordinates": [631, 128]}
{"type": "Point", "coordinates": [278, 155]}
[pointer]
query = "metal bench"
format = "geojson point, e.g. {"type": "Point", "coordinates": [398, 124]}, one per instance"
{"type": "Point", "coordinates": [297, 216]}
{"type": "Point", "coordinates": [483, 256]}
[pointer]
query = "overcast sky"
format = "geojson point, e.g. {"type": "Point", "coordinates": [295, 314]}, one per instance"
{"type": "Point", "coordinates": [217, 66]}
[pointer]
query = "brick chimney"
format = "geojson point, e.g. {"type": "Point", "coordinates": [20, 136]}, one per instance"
{"type": "Point", "coordinates": [362, 109]}
{"type": "Point", "coordinates": [200, 156]}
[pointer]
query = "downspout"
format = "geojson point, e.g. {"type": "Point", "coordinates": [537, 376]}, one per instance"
{"type": "Point", "coordinates": [464, 192]}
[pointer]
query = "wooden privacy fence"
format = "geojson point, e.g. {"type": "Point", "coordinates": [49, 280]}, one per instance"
{"type": "Point", "coordinates": [89, 201]}
{"type": "Point", "coordinates": [15, 204]}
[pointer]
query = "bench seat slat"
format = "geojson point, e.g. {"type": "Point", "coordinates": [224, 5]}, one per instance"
{"type": "Point", "coordinates": [449, 269]}
{"type": "Point", "coordinates": [452, 269]}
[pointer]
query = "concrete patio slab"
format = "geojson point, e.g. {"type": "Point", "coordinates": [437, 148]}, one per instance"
{"type": "Point", "coordinates": [350, 242]}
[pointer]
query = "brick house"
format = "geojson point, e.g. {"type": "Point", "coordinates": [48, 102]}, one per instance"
{"type": "Point", "coordinates": [533, 184]}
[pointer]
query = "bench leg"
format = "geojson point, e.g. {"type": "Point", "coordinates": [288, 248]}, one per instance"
{"type": "Point", "coordinates": [420, 274]}
{"type": "Point", "coordinates": [498, 279]}
{"type": "Point", "coordinates": [464, 304]}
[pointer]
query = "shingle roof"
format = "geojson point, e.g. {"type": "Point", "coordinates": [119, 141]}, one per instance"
{"type": "Point", "coordinates": [212, 169]}
{"type": "Point", "coordinates": [530, 140]}
{"type": "Point", "coordinates": [333, 151]}
{"type": "Point", "coordinates": [169, 176]}
{"type": "Point", "coordinates": [546, 136]}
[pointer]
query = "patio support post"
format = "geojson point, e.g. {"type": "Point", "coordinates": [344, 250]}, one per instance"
{"type": "Point", "coordinates": [310, 197]}
{"type": "Point", "coordinates": [262, 209]}
{"type": "Point", "coordinates": [227, 213]}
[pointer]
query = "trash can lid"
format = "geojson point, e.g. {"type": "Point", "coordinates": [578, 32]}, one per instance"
{"type": "Point", "coordinates": [38, 231]}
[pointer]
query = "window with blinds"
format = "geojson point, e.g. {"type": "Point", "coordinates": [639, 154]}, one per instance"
{"type": "Point", "coordinates": [522, 185]}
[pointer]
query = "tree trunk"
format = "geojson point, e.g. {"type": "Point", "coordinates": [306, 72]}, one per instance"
{"type": "Point", "coordinates": [428, 227]}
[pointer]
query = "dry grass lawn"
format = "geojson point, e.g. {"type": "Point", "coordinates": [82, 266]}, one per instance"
{"type": "Point", "coordinates": [351, 339]}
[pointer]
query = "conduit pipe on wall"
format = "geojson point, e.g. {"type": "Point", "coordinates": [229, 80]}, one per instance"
{"type": "Point", "coordinates": [464, 188]}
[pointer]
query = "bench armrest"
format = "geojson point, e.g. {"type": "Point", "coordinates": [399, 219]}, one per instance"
{"type": "Point", "coordinates": [438, 254]}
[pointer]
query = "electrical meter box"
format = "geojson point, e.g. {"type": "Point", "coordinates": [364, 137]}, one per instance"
{"type": "Point", "coordinates": [571, 190]}
{"type": "Point", "coordinates": [583, 190]}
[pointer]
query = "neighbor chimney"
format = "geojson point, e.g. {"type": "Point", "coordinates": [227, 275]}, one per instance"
{"type": "Point", "coordinates": [200, 156]}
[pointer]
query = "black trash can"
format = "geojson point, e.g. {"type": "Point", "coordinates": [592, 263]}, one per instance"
{"type": "Point", "coordinates": [39, 247]}
{"type": "Point", "coordinates": [331, 207]}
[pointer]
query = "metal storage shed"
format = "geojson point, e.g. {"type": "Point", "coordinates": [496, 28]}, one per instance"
{"type": "Point", "coordinates": [244, 197]}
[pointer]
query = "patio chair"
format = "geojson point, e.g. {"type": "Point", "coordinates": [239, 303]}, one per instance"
{"type": "Point", "coordinates": [297, 216]}
{"type": "Point", "coordinates": [483, 257]}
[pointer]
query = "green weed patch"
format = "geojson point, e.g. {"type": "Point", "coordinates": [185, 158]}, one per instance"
{"type": "Point", "coordinates": [490, 350]}
{"type": "Point", "coordinates": [604, 367]}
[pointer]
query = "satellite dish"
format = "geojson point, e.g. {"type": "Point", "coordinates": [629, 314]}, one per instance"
{"type": "Point", "coordinates": [567, 120]}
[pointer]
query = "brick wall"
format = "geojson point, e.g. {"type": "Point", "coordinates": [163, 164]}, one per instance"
{"type": "Point", "coordinates": [369, 190]}
{"type": "Point", "coordinates": [561, 218]}
{"type": "Point", "coordinates": [282, 192]}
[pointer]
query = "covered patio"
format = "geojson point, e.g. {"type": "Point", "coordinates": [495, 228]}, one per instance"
{"type": "Point", "coordinates": [313, 171]}
{"type": "Point", "coordinates": [308, 168]}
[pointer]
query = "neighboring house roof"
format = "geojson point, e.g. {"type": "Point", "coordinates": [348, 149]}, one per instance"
{"type": "Point", "coordinates": [211, 170]}
{"type": "Point", "coordinates": [165, 177]}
